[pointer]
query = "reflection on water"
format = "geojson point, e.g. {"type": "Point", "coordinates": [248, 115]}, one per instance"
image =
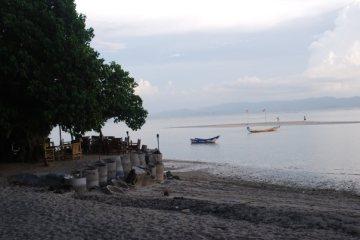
{"type": "Point", "coordinates": [324, 150]}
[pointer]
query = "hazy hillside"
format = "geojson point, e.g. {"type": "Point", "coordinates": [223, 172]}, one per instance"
{"type": "Point", "coordinates": [270, 106]}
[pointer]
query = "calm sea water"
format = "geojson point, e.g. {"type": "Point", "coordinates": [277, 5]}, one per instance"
{"type": "Point", "coordinates": [319, 156]}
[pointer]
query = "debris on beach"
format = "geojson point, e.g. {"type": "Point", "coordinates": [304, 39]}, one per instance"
{"type": "Point", "coordinates": [51, 181]}
{"type": "Point", "coordinates": [24, 179]}
{"type": "Point", "coordinates": [114, 190]}
{"type": "Point", "coordinates": [166, 192]}
{"type": "Point", "coordinates": [121, 183]}
{"type": "Point", "coordinates": [169, 175]}
{"type": "Point", "coordinates": [186, 211]}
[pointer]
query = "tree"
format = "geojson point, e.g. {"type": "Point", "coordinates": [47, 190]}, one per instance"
{"type": "Point", "coordinates": [118, 97]}
{"type": "Point", "coordinates": [50, 75]}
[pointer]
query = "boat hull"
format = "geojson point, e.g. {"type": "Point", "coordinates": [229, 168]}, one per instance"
{"type": "Point", "coordinates": [204, 140]}
{"type": "Point", "coordinates": [272, 129]}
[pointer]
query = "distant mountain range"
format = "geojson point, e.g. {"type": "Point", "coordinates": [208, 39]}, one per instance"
{"type": "Point", "coordinates": [307, 104]}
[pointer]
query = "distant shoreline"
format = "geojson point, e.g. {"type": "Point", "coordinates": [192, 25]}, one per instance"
{"type": "Point", "coordinates": [285, 123]}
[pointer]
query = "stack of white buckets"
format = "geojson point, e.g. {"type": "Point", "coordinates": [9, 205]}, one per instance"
{"type": "Point", "coordinates": [118, 167]}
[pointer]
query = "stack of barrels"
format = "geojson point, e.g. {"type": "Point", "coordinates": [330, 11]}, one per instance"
{"type": "Point", "coordinates": [156, 166]}
{"type": "Point", "coordinates": [119, 167]}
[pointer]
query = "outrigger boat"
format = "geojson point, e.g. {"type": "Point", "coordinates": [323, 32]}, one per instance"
{"type": "Point", "coordinates": [204, 140]}
{"type": "Point", "coordinates": [272, 129]}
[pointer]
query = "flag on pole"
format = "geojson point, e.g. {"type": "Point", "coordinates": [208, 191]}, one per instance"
{"type": "Point", "coordinates": [264, 110]}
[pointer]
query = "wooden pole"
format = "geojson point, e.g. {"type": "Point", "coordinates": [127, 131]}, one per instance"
{"type": "Point", "coordinates": [264, 110]}
{"type": "Point", "coordinates": [60, 143]}
{"type": "Point", "coordinates": [247, 116]}
{"type": "Point", "coordinates": [157, 136]}
{"type": "Point", "coordinates": [265, 115]}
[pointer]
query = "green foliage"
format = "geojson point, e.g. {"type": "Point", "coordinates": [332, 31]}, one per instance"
{"type": "Point", "coordinates": [50, 75]}
{"type": "Point", "coordinates": [118, 97]}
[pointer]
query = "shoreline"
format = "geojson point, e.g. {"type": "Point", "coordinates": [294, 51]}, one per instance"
{"type": "Point", "coordinates": [201, 205]}
{"type": "Point", "coordinates": [249, 175]}
{"type": "Point", "coordinates": [281, 123]}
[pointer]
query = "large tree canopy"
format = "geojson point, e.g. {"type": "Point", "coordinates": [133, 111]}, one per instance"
{"type": "Point", "coordinates": [51, 75]}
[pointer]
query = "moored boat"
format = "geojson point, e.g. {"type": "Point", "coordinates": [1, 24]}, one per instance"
{"type": "Point", "coordinates": [271, 129]}
{"type": "Point", "coordinates": [204, 140]}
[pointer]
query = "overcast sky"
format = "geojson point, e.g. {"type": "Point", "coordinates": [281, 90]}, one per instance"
{"type": "Point", "coordinates": [186, 54]}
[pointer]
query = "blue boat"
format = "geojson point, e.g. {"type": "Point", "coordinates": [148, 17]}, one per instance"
{"type": "Point", "coordinates": [204, 140]}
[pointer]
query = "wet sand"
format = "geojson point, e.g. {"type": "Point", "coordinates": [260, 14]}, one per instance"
{"type": "Point", "coordinates": [200, 206]}
{"type": "Point", "coordinates": [281, 123]}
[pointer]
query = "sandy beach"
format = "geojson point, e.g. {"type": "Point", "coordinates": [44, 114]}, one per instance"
{"type": "Point", "coordinates": [200, 206]}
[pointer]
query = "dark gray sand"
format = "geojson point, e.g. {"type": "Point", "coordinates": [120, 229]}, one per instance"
{"type": "Point", "coordinates": [200, 206]}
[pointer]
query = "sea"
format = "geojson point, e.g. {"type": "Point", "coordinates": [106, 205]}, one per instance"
{"type": "Point", "coordinates": [311, 156]}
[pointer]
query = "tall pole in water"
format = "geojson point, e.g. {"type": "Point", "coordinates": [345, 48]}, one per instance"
{"type": "Point", "coordinates": [157, 137]}
{"type": "Point", "coordinates": [265, 116]}
{"type": "Point", "coordinates": [264, 110]}
{"type": "Point", "coordinates": [247, 116]}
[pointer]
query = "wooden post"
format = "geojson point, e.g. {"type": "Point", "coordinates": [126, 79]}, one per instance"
{"type": "Point", "coordinates": [157, 136]}
{"type": "Point", "coordinates": [247, 116]}
{"type": "Point", "coordinates": [101, 143]}
{"type": "Point", "coordinates": [265, 115]}
{"type": "Point", "coordinates": [264, 111]}
{"type": "Point", "coordinates": [60, 143]}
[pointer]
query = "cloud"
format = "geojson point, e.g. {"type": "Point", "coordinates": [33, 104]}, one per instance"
{"type": "Point", "coordinates": [145, 88]}
{"type": "Point", "coordinates": [208, 74]}
{"type": "Point", "coordinates": [143, 17]}
{"type": "Point", "coordinates": [176, 55]}
{"type": "Point", "coordinates": [336, 53]}
{"type": "Point", "coordinates": [107, 46]}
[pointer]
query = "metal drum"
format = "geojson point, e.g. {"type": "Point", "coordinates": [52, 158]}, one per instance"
{"type": "Point", "coordinates": [134, 159]}
{"type": "Point", "coordinates": [142, 159]}
{"type": "Point", "coordinates": [79, 184]}
{"type": "Point", "coordinates": [92, 177]}
{"type": "Point", "coordinates": [111, 168]}
{"type": "Point", "coordinates": [159, 172]}
{"type": "Point", "coordinates": [103, 171]}
{"type": "Point", "coordinates": [157, 157]}
{"type": "Point", "coordinates": [126, 164]}
{"type": "Point", "coordinates": [119, 168]}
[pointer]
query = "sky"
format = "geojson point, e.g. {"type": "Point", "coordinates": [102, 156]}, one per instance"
{"type": "Point", "coordinates": [189, 54]}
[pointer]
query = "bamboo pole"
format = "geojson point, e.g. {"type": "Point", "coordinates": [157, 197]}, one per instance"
{"type": "Point", "coordinates": [60, 143]}
{"type": "Point", "coordinates": [158, 145]}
